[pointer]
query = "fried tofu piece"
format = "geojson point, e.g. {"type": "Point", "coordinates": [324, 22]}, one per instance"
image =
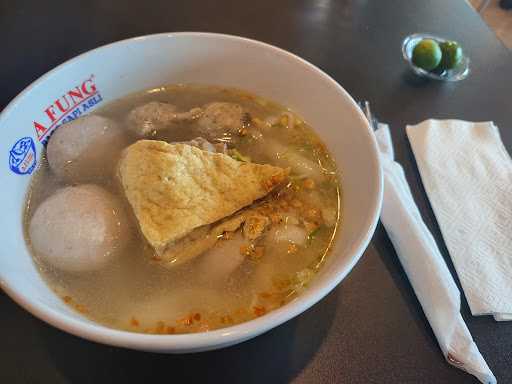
{"type": "Point", "coordinates": [176, 188]}
{"type": "Point", "coordinates": [199, 241]}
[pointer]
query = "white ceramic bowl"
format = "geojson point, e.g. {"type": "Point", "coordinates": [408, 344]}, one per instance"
{"type": "Point", "coordinates": [118, 69]}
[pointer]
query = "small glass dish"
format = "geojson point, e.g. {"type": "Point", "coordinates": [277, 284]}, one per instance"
{"type": "Point", "coordinates": [460, 72]}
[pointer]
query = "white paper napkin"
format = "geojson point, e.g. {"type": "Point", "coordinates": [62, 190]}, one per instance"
{"type": "Point", "coordinates": [467, 174]}
{"type": "Point", "coordinates": [426, 268]}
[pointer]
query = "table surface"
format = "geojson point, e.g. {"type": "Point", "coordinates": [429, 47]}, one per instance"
{"type": "Point", "coordinates": [371, 328]}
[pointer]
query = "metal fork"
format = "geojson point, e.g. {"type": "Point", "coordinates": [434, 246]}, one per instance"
{"type": "Point", "coordinates": [365, 107]}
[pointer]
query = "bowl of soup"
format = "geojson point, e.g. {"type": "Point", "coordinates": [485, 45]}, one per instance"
{"type": "Point", "coordinates": [183, 192]}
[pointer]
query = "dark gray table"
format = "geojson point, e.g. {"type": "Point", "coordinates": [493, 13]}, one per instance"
{"type": "Point", "coordinates": [371, 328]}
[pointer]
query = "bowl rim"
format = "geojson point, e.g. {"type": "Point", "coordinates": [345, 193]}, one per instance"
{"type": "Point", "coordinates": [182, 343]}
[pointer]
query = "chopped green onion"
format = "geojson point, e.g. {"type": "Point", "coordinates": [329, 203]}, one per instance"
{"type": "Point", "coordinates": [235, 154]}
{"type": "Point", "coordinates": [314, 234]}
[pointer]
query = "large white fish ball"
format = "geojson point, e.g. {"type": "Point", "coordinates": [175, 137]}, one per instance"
{"type": "Point", "coordinates": [85, 149]}
{"type": "Point", "coordinates": [79, 228]}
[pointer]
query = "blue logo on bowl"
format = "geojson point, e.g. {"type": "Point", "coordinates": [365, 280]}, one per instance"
{"type": "Point", "coordinates": [22, 156]}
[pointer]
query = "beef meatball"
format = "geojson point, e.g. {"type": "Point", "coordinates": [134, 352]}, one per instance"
{"type": "Point", "coordinates": [83, 149]}
{"type": "Point", "coordinates": [220, 119]}
{"type": "Point", "coordinates": [148, 119]}
{"type": "Point", "coordinates": [79, 228]}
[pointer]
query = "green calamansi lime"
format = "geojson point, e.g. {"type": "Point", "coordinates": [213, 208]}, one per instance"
{"type": "Point", "coordinates": [426, 54]}
{"type": "Point", "coordinates": [451, 54]}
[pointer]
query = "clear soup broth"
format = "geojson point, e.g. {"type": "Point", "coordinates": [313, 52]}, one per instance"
{"type": "Point", "coordinates": [235, 281]}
